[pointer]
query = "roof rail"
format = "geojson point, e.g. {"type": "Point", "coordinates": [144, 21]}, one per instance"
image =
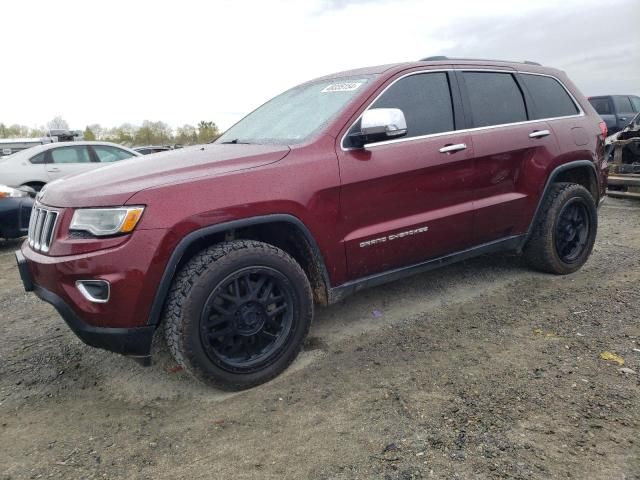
{"type": "Point", "coordinates": [437, 58]}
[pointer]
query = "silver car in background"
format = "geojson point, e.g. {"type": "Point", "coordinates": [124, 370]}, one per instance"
{"type": "Point", "coordinates": [36, 166]}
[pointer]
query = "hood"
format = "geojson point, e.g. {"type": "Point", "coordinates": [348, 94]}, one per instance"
{"type": "Point", "coordinates": [116, 183]}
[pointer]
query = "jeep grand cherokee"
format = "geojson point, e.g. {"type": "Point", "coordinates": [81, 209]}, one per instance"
{"type": "Point", "coordinates": [344, 182]}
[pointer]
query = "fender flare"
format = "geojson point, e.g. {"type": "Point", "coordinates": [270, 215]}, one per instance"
{"type": "Point", "coordinates": [550, 180]}
{"type": "Point", "coordinates": [182, 246]}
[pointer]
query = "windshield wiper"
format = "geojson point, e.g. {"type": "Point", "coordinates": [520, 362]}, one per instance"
{"type": "Point", "coordinates": [235, 141]}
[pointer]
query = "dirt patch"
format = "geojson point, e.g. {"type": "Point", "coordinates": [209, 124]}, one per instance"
{"type": "Point", "coordinates": [480, 370]}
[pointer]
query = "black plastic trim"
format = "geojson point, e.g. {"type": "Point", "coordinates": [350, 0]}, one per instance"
{"type": "Point", "coordinates": [552, 176]}
{"type": "Point", "coordinates": [183, 245]}
{"type": "Point", "coordinates": [338, 293]}
{"type": "Point", "coordinates": [125, 341]}
{"type": "Point", "coordinates": [23, 269]}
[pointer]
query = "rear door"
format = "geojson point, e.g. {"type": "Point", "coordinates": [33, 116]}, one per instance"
{"type": "Point", "coordinates": [507, 141]}
{"type": "Point", "coordinates": [68, 160]}
{"type": "Point", "coordinates": [405, 200]}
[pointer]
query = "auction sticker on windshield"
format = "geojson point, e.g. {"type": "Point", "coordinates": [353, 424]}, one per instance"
{"type": "Point", "coordinates": [341, 87]}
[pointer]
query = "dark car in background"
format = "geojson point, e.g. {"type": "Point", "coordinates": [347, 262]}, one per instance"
{"type": "Point", "coordinates": [616, 110]}
{"type": "Point", "coordinates": [15, 211]}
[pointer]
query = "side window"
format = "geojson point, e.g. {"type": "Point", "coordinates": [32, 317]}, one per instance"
{"type": "Point", "coordinates": [79, 154]}
{"type": "Point", "coordinates": [108, 154]}
{"type": "Point", "coordinates": [425, 100]}
{"type": "Point", "coordinates": [549, 97]}
{"type": "Point", "coordinates": [37, 159]}
{"type": "Point", "coordinates": [623, 104]}
{"type": "Point", "coordinates": [601, 105]}
{"type": "Point", "coordinates": [494, 98]}
{"type": "Point", "coordinates": [635, 101]}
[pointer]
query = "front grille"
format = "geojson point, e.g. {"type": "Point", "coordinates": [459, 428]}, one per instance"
{"type": "Point", "coordinates": [41, 227]}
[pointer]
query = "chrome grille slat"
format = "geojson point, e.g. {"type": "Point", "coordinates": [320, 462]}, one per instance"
{"type": "Point", "coordinates": [41, 228]}
{"type": "Point", "coordinates": [36, 234]}
{"type": "Point", "coordinates": [31, 226]}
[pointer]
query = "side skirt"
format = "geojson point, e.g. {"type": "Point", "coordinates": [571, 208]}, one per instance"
{"type": "Point", "coordinates": [336, 294]}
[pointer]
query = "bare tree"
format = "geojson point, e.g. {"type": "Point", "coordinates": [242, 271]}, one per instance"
{"type": "Point", "coordinates": [58, 123]}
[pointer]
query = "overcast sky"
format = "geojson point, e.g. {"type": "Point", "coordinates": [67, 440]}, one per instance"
{"type": "Point", "coordinates": [111, 62]}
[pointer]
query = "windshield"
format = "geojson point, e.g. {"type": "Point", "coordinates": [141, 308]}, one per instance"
{"type": "Point", "coordinates": [297, 114]}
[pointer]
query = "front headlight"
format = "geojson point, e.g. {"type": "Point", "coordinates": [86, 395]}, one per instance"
{"type": "Point", "coordinates": [106, 221]}
{"type": "Point", "coordinates": [8, 192]}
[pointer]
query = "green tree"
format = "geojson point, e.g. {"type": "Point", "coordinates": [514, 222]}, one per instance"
{"type": "Point", "coordinates": [207, 132]}
{"type": "Point", "coordinates": [186, 135]}
{"type": "Point", "coordinates": [88, 134]}
{"type": "Point", "coordinates": [153, 133]}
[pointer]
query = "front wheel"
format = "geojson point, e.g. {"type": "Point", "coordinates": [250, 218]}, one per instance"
{"type": "Point", "coordinates": [564, 234]}
{"type": "Point", "coordinates": [238, 313]}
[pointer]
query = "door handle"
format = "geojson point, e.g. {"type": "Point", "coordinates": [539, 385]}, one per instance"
{"type": "Point", "coordinates": [53, 170]}
{"type": "Point", "coordinates": [539, 134]}
{"type": "Point", "coordinates": [453, 148]}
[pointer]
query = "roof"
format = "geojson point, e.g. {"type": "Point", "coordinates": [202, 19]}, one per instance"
{"type": "Point", "coordinates": [26, 140]}
{"type": "Point", "coordinates": [392, 68]}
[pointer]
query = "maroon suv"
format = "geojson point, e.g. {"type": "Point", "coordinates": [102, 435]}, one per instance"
{"type": "Point", "coordinates": [344, 182]}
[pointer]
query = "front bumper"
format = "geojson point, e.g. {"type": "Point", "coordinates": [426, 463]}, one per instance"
{"type": "Point", "coordinates": [135, 341]}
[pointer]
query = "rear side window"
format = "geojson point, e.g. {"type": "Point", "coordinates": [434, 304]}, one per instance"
{"type": "Point", "coordinates": [38, 159]}
{"type": "Point", "coordinates": [495, 98]}
{"type": "Point", "coordinates": [636, 103]}
{"type": "Point", "coordinates": [70, 155]}
{"type": "Point", "coordinates": [425, 100]}
{"type": "Point", "coordinates": [549, 97]}
{"type": "Point", "coordinates": [601, 105]}
{"type": "Point", "coordinates": [623, 104]}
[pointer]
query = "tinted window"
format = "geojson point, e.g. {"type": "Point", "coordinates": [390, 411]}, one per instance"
{"type": "Point", "coordinates": [424, 99]}
{"type": "Point", "coordinates": [494, 98]}
{"type": "Point", "coordinates": [110, 154]}
{"type": "Point", "coordinates": [38, 159]}
{"type": "Point", "coordinates": [70, 155]}
{"type": "Point", "coordinates": [549, 97]}
{"type": "Point", "coordinates": [636, 103]}
{"type": "Point", "coordinates": [623, 104]}
{"type": "Point", "coordinates": [601, 105]}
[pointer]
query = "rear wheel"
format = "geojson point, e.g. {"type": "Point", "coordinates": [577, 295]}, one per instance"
{"type": "Point", "coordinates": [563, 236]}
{"type": "Point", "coordinates": [238, 313]}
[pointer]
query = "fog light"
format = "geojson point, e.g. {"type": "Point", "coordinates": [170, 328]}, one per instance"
{"type": "Point", "coordinates": [96, 291]}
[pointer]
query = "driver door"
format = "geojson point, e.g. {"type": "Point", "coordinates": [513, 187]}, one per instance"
{"type": "Point", "coordinates": [407, 200]}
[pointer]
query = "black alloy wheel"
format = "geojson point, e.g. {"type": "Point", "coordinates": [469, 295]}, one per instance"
{"type": "Point", "coordinates": [247, 318]}
{"type": "Point", "coordinates": [572, 230]}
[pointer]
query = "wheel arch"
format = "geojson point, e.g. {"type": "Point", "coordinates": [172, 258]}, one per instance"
{"type": "Point", "coordinates": [284, 231]}
{"type": "Point", "coordinates": [581, 172]}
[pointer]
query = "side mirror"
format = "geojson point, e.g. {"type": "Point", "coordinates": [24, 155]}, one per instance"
{"type": "Point", "coordinates": [28, 190]}
{"type": "Point", "coordinates": [378, 124]}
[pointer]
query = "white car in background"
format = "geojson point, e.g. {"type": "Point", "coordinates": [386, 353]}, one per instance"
{"type": "Point", "coordinates": [38, 165]}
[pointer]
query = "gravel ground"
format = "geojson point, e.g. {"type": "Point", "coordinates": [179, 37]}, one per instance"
{"type": "Point", "coordinates": [480, 370]}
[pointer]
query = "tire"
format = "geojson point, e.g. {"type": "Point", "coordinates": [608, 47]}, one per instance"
{"type": "Point", "coordinates": [238, 313]}
{"type": "Point", "coordinates": [564, 234]}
